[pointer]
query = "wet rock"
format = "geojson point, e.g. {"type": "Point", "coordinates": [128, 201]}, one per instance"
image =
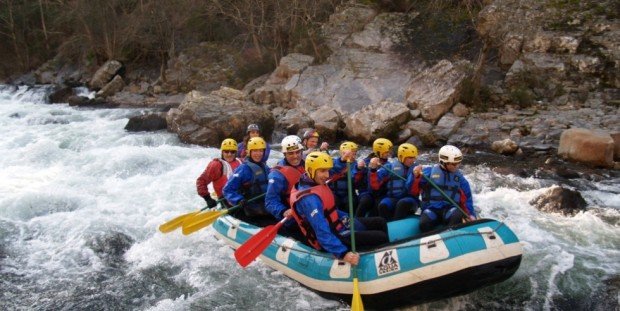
{"type": "Point", "coordinates": [60, 95]}
{"type": "Point", "coordinates": [148, 122]}
{"type": "Point", "coordinates": [560, 200]}
{"type": "Point", "coordinates": [111, 245]}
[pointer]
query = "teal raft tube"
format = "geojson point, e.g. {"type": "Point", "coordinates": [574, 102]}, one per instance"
{"type": "Point", "coordinates": [413, 268]}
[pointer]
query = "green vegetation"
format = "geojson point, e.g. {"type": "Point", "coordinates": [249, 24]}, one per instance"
{"type": "Point", "coordinates": [149, 32]}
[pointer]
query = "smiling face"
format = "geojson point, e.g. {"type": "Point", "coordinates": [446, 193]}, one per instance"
{"type": "Point", "coordinates": [312, 142]}
{"type": "Point", "coordinates": [293, 157]}
{"type": "Point", "coordinates": [253, 133]}
{"type": "Point", "coordinates": [257, 155]}
{"type": "Point", "coordinates": [321, 175]}
{"type": "Point", "coordinates": [229, 155]}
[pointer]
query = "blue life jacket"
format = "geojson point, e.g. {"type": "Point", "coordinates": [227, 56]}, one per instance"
{"type": "Point", "coordinates": [446, 181]}
{"type": "Point", "coordinates": [258, 184]}
{"type": "Point", "coordinates": [396, 186]}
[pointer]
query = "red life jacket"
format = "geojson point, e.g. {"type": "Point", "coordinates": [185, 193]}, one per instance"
{"type": "Point", "coordinates": [329, 211]}
{"type": "Point", "coordinates": [227, 170]}
{"type": "Point", "coordinates": [292, 176]}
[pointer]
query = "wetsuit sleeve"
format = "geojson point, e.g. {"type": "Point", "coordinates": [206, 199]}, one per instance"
{"type": "Point", "coordinates": [312, 209]}
{"type": "Point", "coordinates": [466, 192]}
{"type": "Point", "coordinates": [380, 177]}
{"type": "Point", "coordinates": [232, 189]}
{"type": "Point", "coordinates": [276, 185]}
{"type": "Point", "coordinates": [212, 172]}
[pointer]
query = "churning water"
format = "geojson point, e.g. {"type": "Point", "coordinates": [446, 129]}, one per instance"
{"type": "Point", "coordinates": [81, 200]}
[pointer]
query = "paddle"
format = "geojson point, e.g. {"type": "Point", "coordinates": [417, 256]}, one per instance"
{"type": "Point", "coordinates": [202, 220]}
{"type": "Point", "coordinates": [171, 225]}
{"type": "Point", "coordinates": [356, 303]}
{"type": "Point", "coordinates": [255, 245]}
{"type": "Point", "coordinates": [430, 181]}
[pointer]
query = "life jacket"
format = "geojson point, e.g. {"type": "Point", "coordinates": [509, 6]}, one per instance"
{"type": "Point", "coordinates": [396, 185]}
{"type": "Point", "coordinates": [258, 185]}
{"type": "Point", "coordinates": [292, 176]}
{"type": "Point", "coordinates": [227, 171]}
{"type": "Point", "coordinates": [329, 211]}
{"type": "Point", "coordinates": [448, 182]}
{"type": "Point", "coordinates": [339, 183]}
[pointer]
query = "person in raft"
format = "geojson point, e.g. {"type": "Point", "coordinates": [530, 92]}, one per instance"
{"type": "Point", "coordinates": [310, 142]}
{"type": "Point", "coordinates": [324, 226]}
{"type": "Point", "coordinates": [248, 182]}
{"type": "Point", "coordinates": [218, 171]}
{"type": "Point", "coordinates": [436, 209]}
{"type": "Point", "coordinates": [252, 131]}
{"type": "Point", "coordinates": [282, 178]}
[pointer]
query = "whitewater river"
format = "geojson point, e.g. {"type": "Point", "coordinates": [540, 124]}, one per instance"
{"type": "Point", "coordinates": [81, 200]}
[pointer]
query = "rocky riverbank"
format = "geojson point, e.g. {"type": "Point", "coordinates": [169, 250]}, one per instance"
{"type": "Point", "coordinates": [545, 68]}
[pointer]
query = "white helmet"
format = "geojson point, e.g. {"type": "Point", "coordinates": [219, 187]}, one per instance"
{"type": "Point", "coordinates": [291, 143]}
{"type": "Point", "coordinates": [450, 154]}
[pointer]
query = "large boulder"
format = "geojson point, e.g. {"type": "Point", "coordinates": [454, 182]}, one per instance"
{"type": "Point", "coordinates": [587, 146]}
{"type": "Point", "coordinates": [560, 200]}
{"type": "Point", "coordinates": [105, 74]}
{"type": "Point", "coordinates": [207, 119]}
{"type": "Point", "coordinates": [147, 122]}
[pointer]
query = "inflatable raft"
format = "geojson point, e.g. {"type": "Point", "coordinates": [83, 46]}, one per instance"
{"type": "Point", "coordinates": [413, 268]}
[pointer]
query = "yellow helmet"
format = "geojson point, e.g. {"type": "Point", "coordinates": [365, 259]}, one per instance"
{"type": "Point", "coordinates": [317, 160]}
{"type": "Point", "coordinates": [310, 133]}
{"type": "Point", "coordinates": [382, 145]}
{"type": "Point", "coordinates": [256, 143]}
{"type": "Point", "coordinates": [229, 144]}
{"type": "Point", "coordinates": [407, 150]}
{"type": "Point", "coordinates": [348, 145]}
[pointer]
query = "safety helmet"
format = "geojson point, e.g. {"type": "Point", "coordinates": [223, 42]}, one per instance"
{"type": "Point", "coordinates": [252, 127]}
{"type": "Point", "coordinates": [229, 144]}
{"type": "Point", "coordinates": [256, 143]}
{"type": "Point", "coordinates": [311, 133]}
{"type": "Point", "coordinates": [407, 150]}
{"type": "Point", "coordinates": [381, 145]}
{"type": "Point", "coordinates": [450, 154]}
{"type": "Point", "coordinates": [317, 160]}
{"type": "Point", "coordinates": [291, 143]}
{"type": "Point", "coordinates": [348, 145]}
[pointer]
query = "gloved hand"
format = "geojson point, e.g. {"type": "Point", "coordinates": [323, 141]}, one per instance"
{"type": "Point", "coordinates": [210, 202]}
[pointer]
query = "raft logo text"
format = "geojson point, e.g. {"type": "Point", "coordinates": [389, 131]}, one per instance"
{"type": "Point", "coordinates": [387, 262]}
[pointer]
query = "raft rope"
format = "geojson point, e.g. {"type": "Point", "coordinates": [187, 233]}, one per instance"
{"type": "Point", "coordinates": [324, 255]}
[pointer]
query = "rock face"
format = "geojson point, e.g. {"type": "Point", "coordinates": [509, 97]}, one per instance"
{"type": "Point", "coordinates": [587, 146]}
{"type": "Point", "coordinates": [560, 200]}
{"type": "Point", "coordinates": [361, 91]}
{"type": "Point", "coordinates": [207, 119]}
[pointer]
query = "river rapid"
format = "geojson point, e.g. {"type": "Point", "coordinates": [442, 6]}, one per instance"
{"type": "Point", "coordinates": [81, 200]}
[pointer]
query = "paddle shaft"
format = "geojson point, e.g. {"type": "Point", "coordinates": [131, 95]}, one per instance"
{"type": "Point", "coordinates": [356, 302]}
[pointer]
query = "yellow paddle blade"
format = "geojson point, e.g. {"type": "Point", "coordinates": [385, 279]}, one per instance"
{"type": "Point", "coordinates": [356, 303]}
{"type": "Point", "coordinates": [201, 220]}
{"type": "Point", "coordinates": [176, 222]}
